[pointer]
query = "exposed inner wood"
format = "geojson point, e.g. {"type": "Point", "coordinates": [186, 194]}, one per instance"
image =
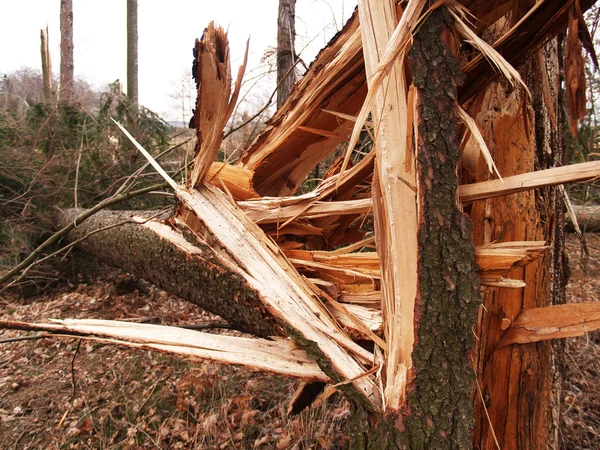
{"type": "Point", "coordinates": [279, 355]}
{"type": "Point", "coordinates": [215, 100]}
{"type": "Point", "coordinates": [394, 197]}
{"type": "Point", "coordinates": [283, 290]}
{"type": "Point", "coordinates": [552, 322]}
{"type": "Point", "coordinates": [283, 155]}
{"type": "Point", "coordinates": [302, 263]}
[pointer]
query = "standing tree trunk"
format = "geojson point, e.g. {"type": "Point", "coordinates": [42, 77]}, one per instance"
{"type": "Point", "coordinates": [46, 67]}
{"type": "Point", "coordinates": [132, 51]}
{"type": "Point", "coordinates": [286, 53]}
{"type": "Point", "coordinates": [437, 410]}
{"type": "Point", "coordinates": [66, 50]}
{"type": "Point", "coordinates": [518, 400]}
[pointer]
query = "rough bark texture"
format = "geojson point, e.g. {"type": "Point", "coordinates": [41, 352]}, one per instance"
{"type": "Point", "coordinates": [439, 413]}
{"type": "Point", "coordinates": [286, 53]}
{"type": "Point", "coordinates": [199, 277]}
{"type": "Point", "coordinates": [439, 404]}
{"type": "Point", "coordinates": [517, 381]}
{"type": "Point", "coordinates": [132, 51]}
{"type": "Point", "coordinates": [66, 50]}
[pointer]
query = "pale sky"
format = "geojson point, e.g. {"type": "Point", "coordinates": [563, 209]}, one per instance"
{"type": "Point", "coordinates": [167, 30]}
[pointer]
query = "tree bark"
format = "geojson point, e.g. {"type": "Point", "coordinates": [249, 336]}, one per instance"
{"type": "Point", "coordinates": [158, 252]}
{"type": "Point", "coordinates": [132, 51]}
{"type": "Point", "coordinates": [286, 53]}
{"type": "Point", "coordinates": [66, 50]}
{"type": "Point", "coordinates": [588, 218]}
{"type": "Point", "coordinates": [440, 404]}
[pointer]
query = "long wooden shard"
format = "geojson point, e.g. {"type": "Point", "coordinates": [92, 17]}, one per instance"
{"type": "Point", "coordinates": [394, 198]}
{"type": "Point", "coordinates": [552, 322]}
{"type": "Point", "coordinates": [531, 180]}
{"type": "Point", "coordinates": [277, 355]}
{"type": "Point", "coordinates": [215, 100]}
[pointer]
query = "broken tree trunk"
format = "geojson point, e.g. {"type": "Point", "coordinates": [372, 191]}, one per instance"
{"type": "Point", "coordinates": [46, 67]}
{"type": "Point", "coordinates": [158, 251]}
{"type": "Point", "coordinates": [393, 328]}
{"type": "Point", "coordinates": [516, 385]}
{"type": "Point", "coordinates": [431, 303]}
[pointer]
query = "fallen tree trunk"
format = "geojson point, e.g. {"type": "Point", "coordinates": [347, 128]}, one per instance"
{"type": "Point", "coordinates": [159, 252]}
{"type": "Point", "coordinates": [588, 218]}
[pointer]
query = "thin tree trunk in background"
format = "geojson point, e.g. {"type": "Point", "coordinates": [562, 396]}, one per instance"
{"type": "Point", "coordinates": [66, 50]}
{"type": "Point", "coordinates": [46, 67]}
{"type": "Point", "coordinates": [132, 51]}
{"type": "Point", "coordinates": [286, 53]}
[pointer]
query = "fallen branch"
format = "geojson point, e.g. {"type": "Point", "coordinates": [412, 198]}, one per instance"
{"type": "Point", "coordinates": [277, 355]}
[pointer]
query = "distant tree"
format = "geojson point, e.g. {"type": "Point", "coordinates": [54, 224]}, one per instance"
{"type": "Point", "coordinates": [46, 67]}
{"type": "Point", "coordinates": [286, 54]}
{"type": "Point", "coordinates": [132, 51]}
{"type": "Point", "coordinates": [66, 50]}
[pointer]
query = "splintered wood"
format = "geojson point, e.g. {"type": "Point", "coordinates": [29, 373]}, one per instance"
{"type": "Point", "coordinates": [284, 244]}
{"type": "Point", "coordinates": [279, 355]}
{"type": "Point", "coordinates": [336, 268]}
{"type": "Point", "coordinates": [215, 101]}
{"type": "Point", "coordinates": [394, 187]}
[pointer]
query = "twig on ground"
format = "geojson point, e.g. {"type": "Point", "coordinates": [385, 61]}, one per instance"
{"type": "Point", "coordinates": [73, 369]}
{"type": "Point", "coordinates": [160, 380]}
{"type": "Point", "coordinates": [24, 338]}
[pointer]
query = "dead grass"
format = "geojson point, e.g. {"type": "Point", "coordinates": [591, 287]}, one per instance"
{"type": "Point", "coordinates": [134, 399]}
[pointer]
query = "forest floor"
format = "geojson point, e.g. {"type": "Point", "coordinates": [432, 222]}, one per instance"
{"type": "Point", "coordinates": [65, 393]}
